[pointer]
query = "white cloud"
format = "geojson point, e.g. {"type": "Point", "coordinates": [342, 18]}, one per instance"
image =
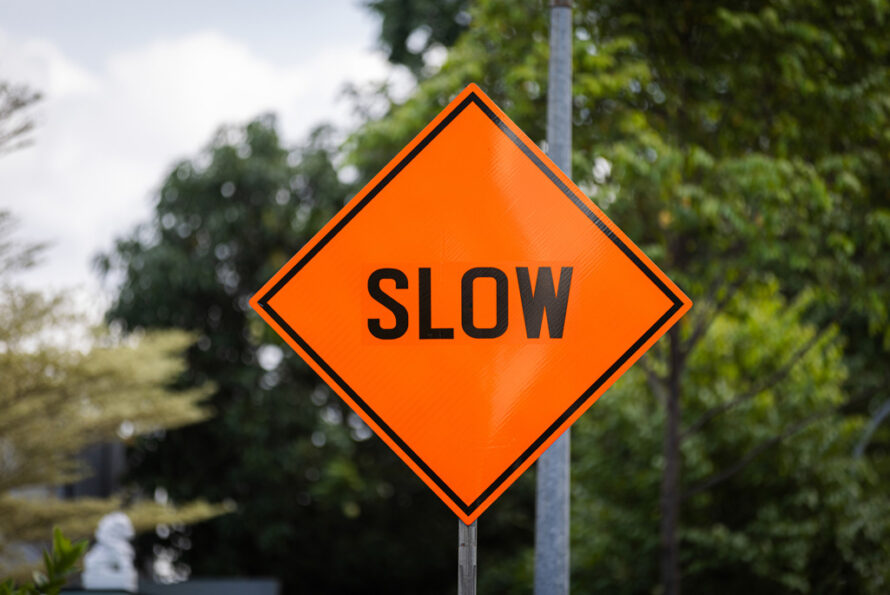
{"type": "Point", "coordinates": [106, 137]}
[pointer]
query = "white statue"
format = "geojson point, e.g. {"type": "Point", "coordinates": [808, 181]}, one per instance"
{"type": "Point", "coordinates": [109, 563]}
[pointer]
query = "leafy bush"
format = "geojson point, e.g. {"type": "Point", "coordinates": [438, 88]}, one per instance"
{"type": "Point", "coordinates": [58, 565]}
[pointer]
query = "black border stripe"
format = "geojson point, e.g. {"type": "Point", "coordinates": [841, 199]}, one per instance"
{"type": "Point", "coordinates": [676, 303]}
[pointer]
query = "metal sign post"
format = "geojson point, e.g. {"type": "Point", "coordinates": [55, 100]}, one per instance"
{"type": "Point", "coordinates": [552, 507]}
{"type": "Point", "coordinates": [466, 558]}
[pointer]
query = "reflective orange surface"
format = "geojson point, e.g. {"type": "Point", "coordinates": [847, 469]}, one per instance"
{"type": "Point", "coordinates": [454, 222]}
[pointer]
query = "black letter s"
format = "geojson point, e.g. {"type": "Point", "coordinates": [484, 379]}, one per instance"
{"type": "Point", "coordinates": [398, 310]}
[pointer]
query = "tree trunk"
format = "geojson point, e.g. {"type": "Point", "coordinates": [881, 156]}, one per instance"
{"type": "Point", "coordinates": [670, 481]}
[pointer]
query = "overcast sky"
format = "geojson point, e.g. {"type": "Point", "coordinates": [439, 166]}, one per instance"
{"type": "Point", "coordinates": [131, 87]}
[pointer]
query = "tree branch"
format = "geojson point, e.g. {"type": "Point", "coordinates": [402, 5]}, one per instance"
{"type": "Point", "coordinates": [14, 121]}
{"type": "Point", "coordinates": [752, 454]}
{"type": "Point", "coordinates": [873, 424]}
{"type": "Point", "coordinates": [656, 382]}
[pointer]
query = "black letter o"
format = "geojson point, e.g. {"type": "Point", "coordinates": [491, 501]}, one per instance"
{"type": "Point", "coordinates": [466, 303]}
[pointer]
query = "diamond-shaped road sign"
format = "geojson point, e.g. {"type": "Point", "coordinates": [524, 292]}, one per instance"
{"type": "Point", "coordinates": [470, 303]}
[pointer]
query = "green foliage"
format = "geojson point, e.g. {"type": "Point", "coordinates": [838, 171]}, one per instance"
{"type": "Point", "coordinates": [64, 388]}
{"type": "Point", "coordinates": [59, 564]}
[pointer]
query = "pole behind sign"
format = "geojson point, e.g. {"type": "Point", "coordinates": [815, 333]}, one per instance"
{"type": "Point", "coordinates": [552, 507]}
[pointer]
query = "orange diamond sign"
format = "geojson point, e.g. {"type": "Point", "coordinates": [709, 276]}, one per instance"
{"type": "Point", "coordinates": [470, 303]}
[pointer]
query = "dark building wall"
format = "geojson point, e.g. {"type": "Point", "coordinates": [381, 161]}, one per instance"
{"type": "Point", "coordinates": [107, 463]}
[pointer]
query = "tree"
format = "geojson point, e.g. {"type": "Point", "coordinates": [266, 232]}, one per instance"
{"type": "Point", "coordinates": [738, 145]}
{"type": "Point", "coordinates": [64, 389]}
{"type": "Point", "coordinates": [411, 28]}
{"type": "Point", "coordinates": [57, 398]}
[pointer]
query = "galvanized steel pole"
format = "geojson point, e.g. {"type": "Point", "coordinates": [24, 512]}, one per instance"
{"type": "Point", "coordinates": [552, 508]}
{"type": "Point", "coordinates": [466, 558]}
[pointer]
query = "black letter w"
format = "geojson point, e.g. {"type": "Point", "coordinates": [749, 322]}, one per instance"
{"type": "Point", "coordinates": [544, 298]}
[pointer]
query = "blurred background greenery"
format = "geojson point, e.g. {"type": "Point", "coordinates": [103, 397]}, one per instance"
{"type": "Point", "coordinates": [744, 146]}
